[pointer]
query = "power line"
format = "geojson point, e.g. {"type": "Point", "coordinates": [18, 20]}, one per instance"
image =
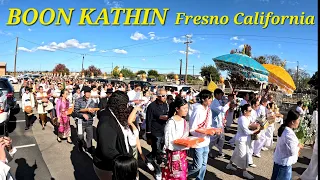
{"type": "Point", "coordinates": [282, 37]}
{"type": "Point", "coordinates": [4, 42]}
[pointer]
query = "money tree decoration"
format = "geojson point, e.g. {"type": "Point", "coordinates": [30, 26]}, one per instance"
{"type": "Point", "coordinates": [304, 132]}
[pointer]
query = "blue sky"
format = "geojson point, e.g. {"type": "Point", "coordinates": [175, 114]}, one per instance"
{"type": "Point", "coordinates": [156, 47]}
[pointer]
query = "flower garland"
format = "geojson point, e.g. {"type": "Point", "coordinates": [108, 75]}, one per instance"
{"type": "Point", "coordinates": [304, 132]}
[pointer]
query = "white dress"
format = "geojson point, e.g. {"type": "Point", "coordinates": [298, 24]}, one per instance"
{"type": "Point", "coordinates": [41, 108]}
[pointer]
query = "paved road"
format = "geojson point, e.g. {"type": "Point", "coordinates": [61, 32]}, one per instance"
{"type": "Point", "coordinates": [28, 163]}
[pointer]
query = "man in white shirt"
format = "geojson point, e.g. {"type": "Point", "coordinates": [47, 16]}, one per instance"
{"type": "Point", "coordinates": [299, 108]}
{"type": "Point", "coordinates": [135, 95]}
{"type": "Point", "coordinates": [218, 107]}
{"type": "Point", "coordinates": [201, 117]}
{"type": "Point", "coordinates": [261, 113]}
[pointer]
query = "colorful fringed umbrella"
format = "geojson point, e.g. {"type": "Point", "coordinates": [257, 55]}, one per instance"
{"type": "Point", "coordinates": [243, 64]}
{"type": "Point", "coordinates": [279, 76]}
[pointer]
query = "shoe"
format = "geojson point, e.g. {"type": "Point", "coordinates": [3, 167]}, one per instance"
{"type": "Point", "coordinates": [90, 150]}
{"type": "Point", "coordinates": [222, 155]}
{"type": "Point", "coordinates": [70, 142]}
{"type": "Point", "coordinates": [253, 165]}
{"type": "Point", "coordinates": [257, 155]}
{"type": "Point", "coordinates": [150, 166]}
{"type": "Point", "coordinates": [26, 128]}
{"type": "Point", "coordinates": [230, 167]}
{"type": "Point", "coordinates": [59, 140]}
{"type": "Point", "coordinates": [158, 177]}
{"type": "Point", "coordinates": [264, 149]}
{"type": "Point", "coordinates": [247, 175]}
{"type": "Point", "coordinates": [43, 128]}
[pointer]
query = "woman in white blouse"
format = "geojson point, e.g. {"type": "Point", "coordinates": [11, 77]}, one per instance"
{"type": "Point", "coordinates": [243, 142]}
{"type": "Point", "coordinates": [177, 127]}
{"type": "Point", "coordinates": [287, 149]}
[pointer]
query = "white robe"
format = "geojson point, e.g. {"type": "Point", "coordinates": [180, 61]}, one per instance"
{"type": "Point", "coordinates": [311, 173]}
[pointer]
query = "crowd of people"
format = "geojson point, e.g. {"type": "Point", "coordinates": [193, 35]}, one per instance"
{"type": "Point", "coordinates": [164, 116]}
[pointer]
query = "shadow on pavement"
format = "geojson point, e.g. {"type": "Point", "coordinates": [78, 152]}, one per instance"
{"type": "Point", "coordinates": [221, 166]}
{"type": "Point", "coordinates": [24, 171]}
{"type": "Point", "coordinates": [82, 163]}
{"type": "Point", "coordinates": [304, 160]}
{"type": "Point", "coordinates": [299, 170]}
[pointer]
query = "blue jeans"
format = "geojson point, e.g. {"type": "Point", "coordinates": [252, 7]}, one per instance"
{"type": "Point", "coordinates": [200, 159]}
{"type": "Point", "coordinates": [281, 172]}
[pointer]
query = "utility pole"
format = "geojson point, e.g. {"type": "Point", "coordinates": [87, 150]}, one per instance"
{"type": "Point", "coordinates": [187, 50]}
{"type": "Point", "coordinates": [298, 84]}
{"type": "Point", "coordinates": [193, 70]}
{"type": "Point", "coordinates": [15, 58]}
{"type": "Point", "coordinates": [180, 70]}
{"type": "Point", "coordinates": [82, 61]}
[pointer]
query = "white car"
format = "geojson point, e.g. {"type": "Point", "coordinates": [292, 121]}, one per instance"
{"type": "Point", "coordinates": [11, 79]}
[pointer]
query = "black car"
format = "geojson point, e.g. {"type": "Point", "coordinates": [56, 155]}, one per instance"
{"type": "Point", "coordinates": [7, 91]}
{"type": "Point", "coordinates": [143, 84]}
{"type": "Point", "coordinates": [116, 81]}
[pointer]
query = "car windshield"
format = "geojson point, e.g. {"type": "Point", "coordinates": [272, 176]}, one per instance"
{"type": "Point", "coordinates": [185, 88]}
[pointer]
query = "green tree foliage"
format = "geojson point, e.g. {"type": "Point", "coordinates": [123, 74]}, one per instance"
{"type": "Point", "coordinates": [153, 73]}
{"type": "Point", "coordinates": [127, 73]}
{"type": "Point", "coordinates": [140, 72]}
{"type": "Point", "coordinates": [170, 75]}
{"type": "Point", "coordinates": [115, 72]}
{"type": "Point", "coordinates": [206, 71]}
{"type": "Point", "coordinates": [313, 82]}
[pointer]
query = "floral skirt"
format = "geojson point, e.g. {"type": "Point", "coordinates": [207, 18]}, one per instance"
{"type": "Point", "coordinates": [176, 167]}
{"type": "Point", "coordinates": [64, 129]}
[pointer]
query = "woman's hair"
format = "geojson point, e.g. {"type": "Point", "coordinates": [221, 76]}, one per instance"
{"type": "Point", "coordinates": [177, 103]}
{"type": "Point", "coordinates": [204, 94]}
{"type": "Point", "coordinates": [245, 108]}
{"type": "Point", "coordinates": [291, 116]}
{"type": "Point", "coordinates": [125, 168]}
{"type": "Point", "coordinates": [62, 92]}
{"type": "Point", "coordinates": [118, 103]}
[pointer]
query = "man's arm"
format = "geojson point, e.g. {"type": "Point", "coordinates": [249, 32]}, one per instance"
{"type": "Point", "coordinates": [149, 117]}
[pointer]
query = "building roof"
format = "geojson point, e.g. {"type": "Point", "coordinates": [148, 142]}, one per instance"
{"type": "Point", "coordinates": [3, 63]}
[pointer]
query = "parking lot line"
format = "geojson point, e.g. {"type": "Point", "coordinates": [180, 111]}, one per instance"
{"type": "Point", "coordinates": [23, 146]}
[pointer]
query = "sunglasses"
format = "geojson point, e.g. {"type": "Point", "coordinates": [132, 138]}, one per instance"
{"type": "Point", "coordinates": [163, 95]}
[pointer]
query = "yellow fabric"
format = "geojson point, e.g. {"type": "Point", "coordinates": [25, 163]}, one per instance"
{"type": "Point", "coordinates": [212, 86]}
{"type": "Point", "coordinates": [279, 76]}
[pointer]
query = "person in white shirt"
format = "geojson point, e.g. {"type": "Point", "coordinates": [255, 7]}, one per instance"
{"type": "Point", "coordinates": [135, 95]}
{"type": "Point", "coordinates": [243, 141]}
{"type": "Point", "coordinates": [219, 107]}
{"type": "Point", "coordinates": [299, 108]}
{"type": "Point", "coordinates": [287, 149]}
{"type": "Point", "coordinates": [27, 100]}
{"type": "Point", "coordinates": [41, 99]}
{"type": "Point", "coordinates": [95, 94]}
{"type": "Point", "coordinates": [255, 105]}
{"type": "Point", "coordinates": [6, 155]}
{"type": "Point", "coordinates": [261, 113]}
{"type": "Point", "coordinates": [201, 117]}
{"type": "Point", "coordinates": [176, 128]}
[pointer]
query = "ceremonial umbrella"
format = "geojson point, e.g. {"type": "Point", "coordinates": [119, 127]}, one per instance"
{"type": "Point", "coordinates": [242, 64]}
{"type": "Point", "coordinates": [279, 76]}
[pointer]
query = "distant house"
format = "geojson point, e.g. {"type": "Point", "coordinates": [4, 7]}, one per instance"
{"type": "Point", "coordinates": [3, 68]}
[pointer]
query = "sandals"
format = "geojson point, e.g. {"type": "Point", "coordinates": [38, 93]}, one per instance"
{"type": "Point", "coordinates": [59, 140]}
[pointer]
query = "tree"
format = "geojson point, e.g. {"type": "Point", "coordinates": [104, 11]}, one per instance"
{"type": "Point", "coordinates": [92, 69]}
{"type": "Point", "coordinates": [153, 73]}
{"type": "Point", "coordinates": [261, 59]}
{"type": "Point", "coordinates": [61, 68]}
{"type": "Point", "coordinates": [210, 70]}
{"type": "Point", "coordinates": [313, 82]}
{"type": "Point", "coordinates": [115, 72]}
{"type": "Point", "coordinates": [127, 73]}
{"type": "Point", "coordinates": [302, 81]}
{"type": "Point", "coordinates": [171, 75]}
{"type": "Point", "coordinates": [140, 72]}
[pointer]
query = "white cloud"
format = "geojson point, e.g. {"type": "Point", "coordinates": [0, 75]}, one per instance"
{"type": "Point", "coordinates": [138, 36]}
{"type": "Point", "coordinates": [71, 43]}
{"type": "Point", "coordinates": [42, 42]}
{"type": "Point", "coordinates": [113, 3]}
{"type": "Point", "coordinates": [25, 49]}
{"type": "Point", "coordinates": [305, 66]}
{"type": "Point", "coordinates": [29, 29]}
{"type": "Point", "coordinates": [143, 59]}
{"type": "Point", "coordinates": [236, 38]}
{"type": "Point", "coordinates": [234, 44]}
{"type": "Point", "coordinates": [2, 2]}
{"type": "Point", "coordinates": [279, 45]}
{"type": "Point", "coordinates": [5, 33]}
{"type": "Point", "coordinates": [177, 40]}
{"type": "Point", "coordinates": [241, 46]}
{"type": "Point", "coordinates": [120, 51]}
{"type": "Point", "coordinates": [153, 36]}
{"type": "Point", "coordinates": [103, 51]}
{"type": "Point", "coordinates": [198, 56]}
{"type": "Point", "coordinates": [191, 51]}
{"type": "Point", "coordinates": [92, 49]}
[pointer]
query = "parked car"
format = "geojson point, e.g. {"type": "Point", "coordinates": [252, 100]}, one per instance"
{"type": "Point", "coordinates": [35, 76]}
{"type": "Point", "coordinates": [143, 84]}
{"type": "Point", "coordinates": [11, 79]}
{"type": "Point", "coordinates": [177, 88]}
{"type": "Point", "coordinates": [7, 92]}
{"type": "Point", "coordinates": [116, 81]}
